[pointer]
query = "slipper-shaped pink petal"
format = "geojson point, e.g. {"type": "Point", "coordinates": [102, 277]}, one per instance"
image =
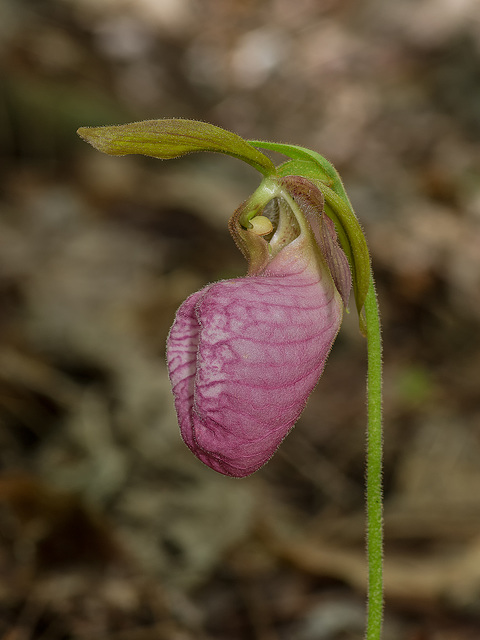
{"type": "Point", "coordinates": [245, 354]}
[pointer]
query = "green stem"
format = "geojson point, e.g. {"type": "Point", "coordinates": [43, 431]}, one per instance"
{"type": "Point", "coordinates": [374, 467]}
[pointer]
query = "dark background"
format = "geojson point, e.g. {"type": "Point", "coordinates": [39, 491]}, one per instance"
{"type": "Point", "coordinates": [109, 527]}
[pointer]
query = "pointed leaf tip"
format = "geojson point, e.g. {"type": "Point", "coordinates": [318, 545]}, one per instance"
{"type": "Point", "coordinates": [172, 138]}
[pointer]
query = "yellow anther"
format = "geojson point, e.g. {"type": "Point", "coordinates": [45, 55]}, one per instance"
{"type": "Point", "coordinates": [261, 225]}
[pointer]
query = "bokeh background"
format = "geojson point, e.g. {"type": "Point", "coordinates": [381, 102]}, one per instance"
{"type": "Point", "coordinates": [109, 528]}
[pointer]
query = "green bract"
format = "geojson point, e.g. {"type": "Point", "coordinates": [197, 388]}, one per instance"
{"type": "Point", "coordinates": [171, 138]}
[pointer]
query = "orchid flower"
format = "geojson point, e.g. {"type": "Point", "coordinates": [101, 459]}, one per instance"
{"type": "Point", "coordinates": [245, 354]}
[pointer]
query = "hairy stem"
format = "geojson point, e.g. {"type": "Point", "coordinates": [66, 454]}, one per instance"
{"type": "Point", "coordinates": [374, 468]}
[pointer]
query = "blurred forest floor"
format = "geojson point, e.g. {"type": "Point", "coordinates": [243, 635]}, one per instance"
{"type": "Point", "coordinates": [109, 527]}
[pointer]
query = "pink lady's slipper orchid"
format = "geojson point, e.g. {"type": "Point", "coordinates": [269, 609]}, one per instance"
{"type": "Point", "coordinates": [245, 354]}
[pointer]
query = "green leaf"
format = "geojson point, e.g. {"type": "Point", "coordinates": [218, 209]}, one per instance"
{"type": "Point", "coordinates": [171, 138]}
